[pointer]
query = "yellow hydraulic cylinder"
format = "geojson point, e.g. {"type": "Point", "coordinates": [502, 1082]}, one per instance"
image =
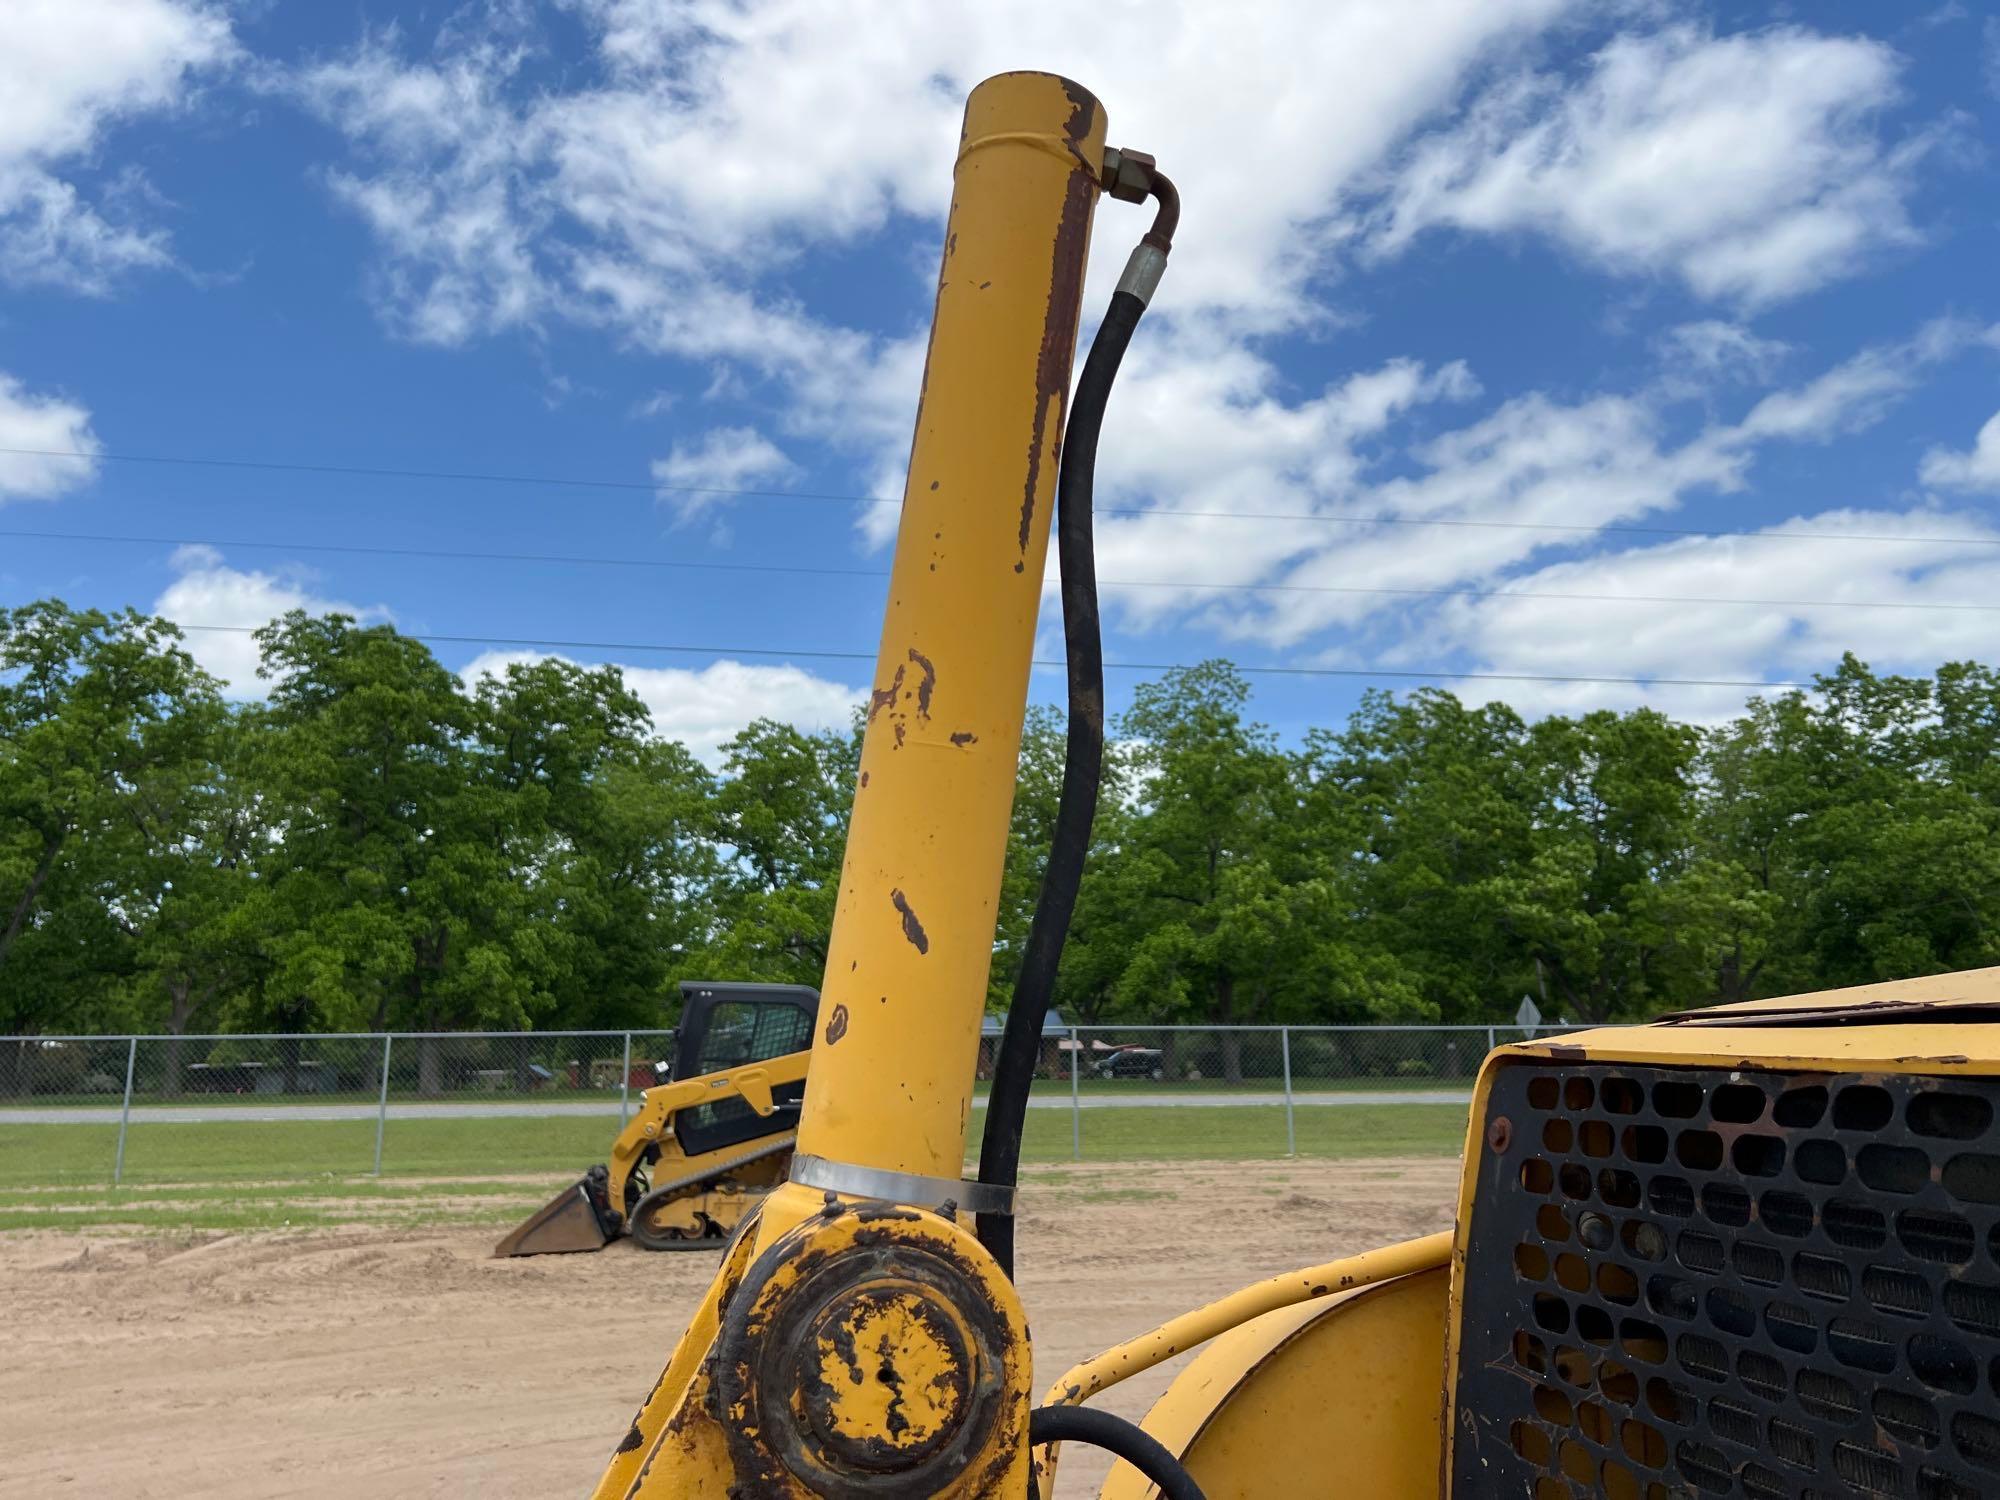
{"type": "Point", "coordinates": [897, 1033]}
{"type": "Point", "coordinates": [912, 941]}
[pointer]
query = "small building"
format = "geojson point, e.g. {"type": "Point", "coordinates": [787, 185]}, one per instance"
{"type": "Point", "coordinates": [1054, 1061]}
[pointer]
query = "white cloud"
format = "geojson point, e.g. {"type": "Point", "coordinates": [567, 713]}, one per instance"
{"type": "Point", "coordinates": [1201, 420]}
{"type": "Point", "coordinates": [208, 592]}
{"type": "Point", "coordinates": [53, 440]}
{"type": "Point", "coordinates": [1711, 349]}
{"type": "Point", "coordinates": [1754, 166]}
{"type": "Point", "coordinates": [1847, 589]}
{"type": "Point", "coordinates": [666, 194]}
{"type": "Point", "coordinates": [695, 477]}
{"type": "Point", "coordinates": [704, 707]}
{"type": "Point", "coordinates": [1978, 469]}
{"type": "Point", "coordinates": [70, 69]}
{"type": "Point", "coordinates": [721, 139]}
{"type": "Point", "coordinates": [1551, 473]}
{"type": "Point", "coordinates": [447, 196]}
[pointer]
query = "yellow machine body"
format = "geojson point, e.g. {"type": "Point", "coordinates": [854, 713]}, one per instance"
{"type": "Point", "coordinates": [723, 1184]}
{"type": "Point", "coordinates": [859, 1341]}
{"type": "Point", "coordinates": [1336, 1396]}
{"type": "Point", "coordinates": [1592, 1431]}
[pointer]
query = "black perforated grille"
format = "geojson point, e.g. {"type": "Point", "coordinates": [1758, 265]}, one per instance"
{"type": "Point", "coordinates": [1781, 1287]}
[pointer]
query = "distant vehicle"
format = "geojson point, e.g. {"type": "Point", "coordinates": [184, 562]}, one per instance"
{"type": "Point", "coordinates": [1132, 1062]}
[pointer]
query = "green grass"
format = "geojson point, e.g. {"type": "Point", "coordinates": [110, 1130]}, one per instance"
{"type": "Point", "coordinates": [256, 1176]}
{"type": "Point", "coordinates": [607, 1100]}
{"type": "Point", "coordinates": [1301, 1087]}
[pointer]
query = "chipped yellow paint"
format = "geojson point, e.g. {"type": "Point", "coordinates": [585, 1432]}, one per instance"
{"type": "Point", "coordinates": [919, 892]}
{"type": "Point", "coordinates": [864, 1339]}
{"type": "Point", "coordinates": [905, 984]}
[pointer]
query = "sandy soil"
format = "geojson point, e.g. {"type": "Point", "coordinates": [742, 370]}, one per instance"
{"type": "Point", "coordinates": [366, 1362]}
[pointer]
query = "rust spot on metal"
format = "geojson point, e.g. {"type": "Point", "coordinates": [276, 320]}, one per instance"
{"type": "Point", "coordinates": [899, 736]}
{"type": "Point", "coordinates": [1499, 1133]}
{"type": "Point", "coordinates": [1059, 323]}
{"type": "Point", "coordinates": [1082, 115]}
{"type": "Point", "coordinates": [912, 928]}
{"type": "Point", "coordinates": [864, 779]}
{"type": "Point", "coordinates": [886, 697]}
{"type": "Point", "coordinates": [633, 1439]}
{"type": "Point", "coordinates": [962, 739]}
{"type": "Point", "coordinates": [836, 1025]}
{"type": "Point", "coordinates": [1569, 1054]}
{"type": "Point", "coordinates": [934, 484]}
{"type": "Point", "coordinates": [927, 686]}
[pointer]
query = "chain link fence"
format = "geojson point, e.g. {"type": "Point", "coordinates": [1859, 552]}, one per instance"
{"type": "Point", "coordinates": [280, 1107]}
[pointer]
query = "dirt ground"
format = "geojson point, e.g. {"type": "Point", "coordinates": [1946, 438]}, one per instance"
{"type": "Point", "coordinates": [368, 1362]}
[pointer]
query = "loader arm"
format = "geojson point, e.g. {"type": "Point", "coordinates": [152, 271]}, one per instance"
{"type": "Point", "coordinates": [862, 1341]}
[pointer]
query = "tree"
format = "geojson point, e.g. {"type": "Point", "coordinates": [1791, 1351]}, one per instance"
{"type": "Point", "coordinates": [1420, 807]}
{"type": "Point", "coordinates": [1611, 901]}
{"type": "Point", "coordinates": [393, 900]}
{"type": "Point", "coordinates": [606, 837]}
{"type": "Point", "coordinates": [1868, 811]}
{"type": "Point", "coordinates": [780, 811]}
{"type": "Point", "coordinates": [99, 714]}
{"type": "Point", "coordinates": [187, 882]}
{"type": "Point", "coordinates": [1227, 922]}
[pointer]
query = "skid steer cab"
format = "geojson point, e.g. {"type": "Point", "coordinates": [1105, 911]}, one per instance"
{"type": "Point", "coordinates": [707, 1143]}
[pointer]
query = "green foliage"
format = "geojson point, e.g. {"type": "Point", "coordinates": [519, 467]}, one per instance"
{"type": "Point", "coordinates": [377, 845]}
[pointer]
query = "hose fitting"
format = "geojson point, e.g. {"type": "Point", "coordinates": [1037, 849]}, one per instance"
{"type": "Point", "coordinates": [1143, 270]}
{"type": "Point", "coordinates": [1133, 177]}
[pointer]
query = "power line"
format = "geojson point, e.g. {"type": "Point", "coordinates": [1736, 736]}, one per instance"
{"type": "Point", "coordinates": [556, 644]}
{"type": "Point", "coordinates": [677, 564]}
{"type": "Point", "coordinates": [1140, 512]}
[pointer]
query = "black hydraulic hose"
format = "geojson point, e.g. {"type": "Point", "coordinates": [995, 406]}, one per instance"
{"type": "Point", "coordinates": [1127, 1440]}
{"type": "Point", "coordinates": [1083, 761]}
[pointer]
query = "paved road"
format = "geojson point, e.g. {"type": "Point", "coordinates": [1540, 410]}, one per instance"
{"type": "Point", "coordinates": [257, 1114]}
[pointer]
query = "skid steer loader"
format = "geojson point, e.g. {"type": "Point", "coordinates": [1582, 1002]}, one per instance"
{"type": "Point", "coordinates": [1750, 1252]}
{"type": "Point", "coordinates": [707, 1143]}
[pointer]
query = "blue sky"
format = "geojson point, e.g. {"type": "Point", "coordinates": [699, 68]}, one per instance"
{"type": "Point", "coordinates": [1573, 295]}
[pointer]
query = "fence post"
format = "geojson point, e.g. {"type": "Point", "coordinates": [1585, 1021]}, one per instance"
{"type": "Point", "coordinates": [382, 1101]}
{"type": "Point", "coordinates": [125, 1114]}
{"type": "Point", "coordinates": [1291, 1124]}
{"type": "Point", "coordinates": [625, 1083]}
{"type": "Point", "coordinates": [1492, 1038]}
{"type": "Point", "coordinates": [1075, 1099]}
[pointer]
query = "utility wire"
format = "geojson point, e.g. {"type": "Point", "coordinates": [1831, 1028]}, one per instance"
{"type": "Point", "coordinates": [555, 644]}
{"type": "Point", "coordinates": [580, 560]}
{"type": "Point", "coordinates": [1141, 512]}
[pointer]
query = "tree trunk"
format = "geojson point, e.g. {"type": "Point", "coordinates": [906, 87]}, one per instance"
{"type": "Point", "coordinates": [1232, 1057]}
{"type": "Point", "coordinates": [16, 1068]}
{"type": "Point", "coordinates": [51, 847]}
{"type": "Point", "coordinates": [430, 1069]}
{"type": "Point", "coordinates": [180, 1005]}
{"type": "Point", "coordinates": [1232, 1041]}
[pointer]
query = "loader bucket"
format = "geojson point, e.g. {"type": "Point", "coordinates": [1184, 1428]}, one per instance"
{"type": "Point", "coordinates": [567, 1222]}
